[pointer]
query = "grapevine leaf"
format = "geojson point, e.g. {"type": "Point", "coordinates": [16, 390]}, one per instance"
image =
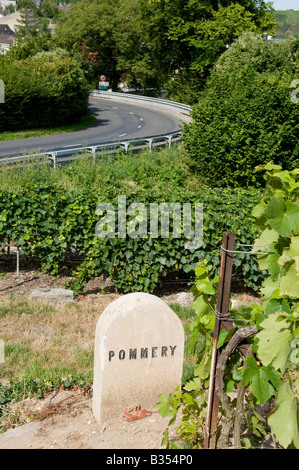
{"type": "Point", "coordinates": [188, 399]}
{"type": "Point", "coordinates": [274, 342]}
{"type": "Point", "coordinates": [257, 428]}
{"type": "Point", "coordinates": [221, 338]}
{"type": "Point", "coordinates": [165, 407]}
{"type": "Point", "coordinates": [268, 236]}
{"type": "Point", "coordinates": [276, 250]}
{"type": "Point", "coordinates": [273, 306]}
{"type": "Point", "coordinates": [259, 209]}
{"type": "Point", "coordinates": [260, 380]}
{"type": "Point", "coordinates": [193, 384]}
{"type": "Point", "coordinates": [291, 254]}
{"type": "Point", "coordinates": [277, 306]}
{"type": "Point", "coordinates": [286, 430]}
{"type": "Point", "coordinates": [268, 167]}
{"type": "Point", "coordinates": [273, 267]}
{"type": "Point", "coordinates": [283, 217]}
{"type": "Point", "coordinates": [289, 284]}
{"type": "Point", "coordinates": [230, 386]}
{"type": "Point", "coordinates": [199, 305]}
{"type": "Point", "coordinates": [270, 289]}
{"type": "Point", "coordinates": [225, 336]}
{"type": "Point", "coordinates": [276, 206]}
{"type": "Point", "coordinates": [203, 369]}
{"type": "Point", "coordinates": [204, 312]}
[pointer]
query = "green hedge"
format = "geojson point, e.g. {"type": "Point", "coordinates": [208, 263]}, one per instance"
{"type": "Point", "coordinates": [46, 90]}
{"type": "Point", "coordinates": [245, 115]}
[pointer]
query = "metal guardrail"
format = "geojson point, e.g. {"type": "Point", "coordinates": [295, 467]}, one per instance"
{"type": "Point", "coordinates": [156, 102]}
{"type": "Point", "coordinates": [65, 155]}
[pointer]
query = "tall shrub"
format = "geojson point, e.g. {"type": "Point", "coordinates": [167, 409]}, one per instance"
{"type": "Point", "coordinates": [46, 90]}
{"type": "Point", "coordinates": [245, 116]}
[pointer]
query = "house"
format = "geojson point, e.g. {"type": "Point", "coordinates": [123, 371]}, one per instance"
{"type": "Point", "coordinates": [7, 38]}
{"type": "Point", "coordinates": [4, 28]}
{"type": "Point", "coordinates": [3, 12]}
{"type": "Point", "coordinates": [5, 3]}
{"type": "Point", "coordinates": [64, 6]}
{"type": "Point", "coordinates": [11, 20]}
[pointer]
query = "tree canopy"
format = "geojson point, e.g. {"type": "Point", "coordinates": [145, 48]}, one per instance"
{"type": "Point", "coordinates": [245, 115]}
{"type": "Point", "coordinates": [158, 43]}
{"type": "Point", "coordinates": [45, 90]}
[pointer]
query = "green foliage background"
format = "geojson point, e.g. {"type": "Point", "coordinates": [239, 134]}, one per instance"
{"type": "Point", "coordinates": [46, 90]}
{"type": "Point", "coordinates": [159, 43]}
{"type": "Point", "coordinates": [245, 116]}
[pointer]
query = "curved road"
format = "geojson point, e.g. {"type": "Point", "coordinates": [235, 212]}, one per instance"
{"type": "Point", "coordinates": [116, 120]}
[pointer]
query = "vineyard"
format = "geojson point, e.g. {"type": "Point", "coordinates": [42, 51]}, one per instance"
{"type": "Point", "coordinates": [239, 160]}
{"type": "Point", "coordinates": [288, 23]}
{"type": "Point", "coordinates": [54, 216]}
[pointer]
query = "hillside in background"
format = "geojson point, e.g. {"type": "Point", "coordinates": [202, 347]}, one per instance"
{"type": "Point", "coordinates": [289, 21]}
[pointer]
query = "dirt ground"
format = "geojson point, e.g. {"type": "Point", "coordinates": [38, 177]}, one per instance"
{"type": "Point", "coordinates": [64, 419]}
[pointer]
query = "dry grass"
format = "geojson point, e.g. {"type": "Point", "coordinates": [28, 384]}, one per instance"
{"type": "Point", "coordinates": [39, 336]}
{"type": "Point", "coordinates": [49, 348]}
{"type": "Point", "coordinates": [50, 342]}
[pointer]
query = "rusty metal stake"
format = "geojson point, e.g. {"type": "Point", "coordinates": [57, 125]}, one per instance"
{"type": "Point", "coordinates": [222, 307]}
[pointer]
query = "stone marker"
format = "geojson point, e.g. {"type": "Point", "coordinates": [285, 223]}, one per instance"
{"type": "Point", "coordinates": [139, 350]}
{"type": "Point", "coordinates": [53, 295]}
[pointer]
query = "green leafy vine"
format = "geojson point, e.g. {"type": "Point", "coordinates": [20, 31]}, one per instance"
{"type": "Point", "coordinates": [270, 373]}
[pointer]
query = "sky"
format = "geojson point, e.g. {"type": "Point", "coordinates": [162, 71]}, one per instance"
{"type": "Point", "coordinates": [286, 4]}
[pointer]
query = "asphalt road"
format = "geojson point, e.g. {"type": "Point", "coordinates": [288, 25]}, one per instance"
{"type": "Point", "coordinates": [116, 120]}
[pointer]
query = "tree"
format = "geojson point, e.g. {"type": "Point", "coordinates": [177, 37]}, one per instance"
{"type": "Point", "coordinates": [245, 115]}
{"type": "Point", "coordinates": [49, 9]}
{"type": "Point", "coordinates": [199, 32]}
{"type": "Point", "coordinates": [151, 43]}
{"type": "Point", "coordinates": [45, 90]}
{"type": "Point", "coordinates": [28, 19]}
{"type": "Point", "coordinates": [28, 46]}
{"type": "Point", "coordinates": [121, 39]}
{"type": "Point", "coordinates": [143, 52]}
{"type": "Point", "coordinates": [87, 29]}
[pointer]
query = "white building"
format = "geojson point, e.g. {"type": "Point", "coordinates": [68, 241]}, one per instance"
{"type": "Point", "coordinates": [5, 3]}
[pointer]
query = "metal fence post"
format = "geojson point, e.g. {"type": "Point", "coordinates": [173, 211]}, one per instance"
{"type": "Point", "coordinates": [53, 158]}
{"type": "Point", "coordinates": [169, 138]}
{"type": "Point", "coordinates": [150, 144]}
{"type": "Point", "coordinates": [126, 146]}
{"type": "Point", "coordinates": [93, 151]}
{"type": "Point", "coordinates": [222, 307]}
